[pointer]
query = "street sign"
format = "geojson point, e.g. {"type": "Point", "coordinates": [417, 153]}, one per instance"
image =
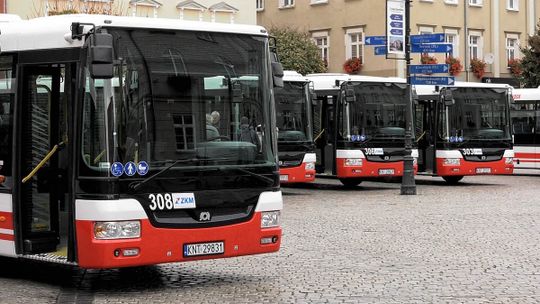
{"type": "Point", "coordinates": [380, 50]}
{"type": "Point", "coordinates": [428, 68]}
{"type": "Point", "coordinates": [375, 40]}
{"type": "Point", "coordinates": [431, 48]}
{"type": "Point", "coordinates": [427, 38]}
{"type": "Point", "coordinates": [429, 80]}
{"type": "Point", "coordinates": [395, 27]}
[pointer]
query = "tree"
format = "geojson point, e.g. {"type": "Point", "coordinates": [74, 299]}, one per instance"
{"type": "Point", "coordinates": [530, 63]}
{"type": "Point", "coordinates": [297, 51]}
{"type": "Point", "coordinates": [63, 7]}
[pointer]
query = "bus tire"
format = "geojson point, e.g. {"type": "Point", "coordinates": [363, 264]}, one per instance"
{"type": "Point", "coordinates": [350, 182]}
{"type": "Point", "coordinates": [452, 180]}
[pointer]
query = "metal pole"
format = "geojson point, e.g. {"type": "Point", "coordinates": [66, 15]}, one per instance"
{"type": "Point", "coordinates": [408, 185]}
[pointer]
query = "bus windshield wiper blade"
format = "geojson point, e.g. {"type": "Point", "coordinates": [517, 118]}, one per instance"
{"type": "Point", "coordinates": [260, 177]}
{"type": "Point", "coordinates": [136, 185]}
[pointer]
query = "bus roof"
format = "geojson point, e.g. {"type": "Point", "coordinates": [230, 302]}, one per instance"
{"type": "Point", "coordinates": [293, 76]}
{"type": "Point", "coordinates": [526, 94]}
{"type": "Point", "coordinates": [55, 31]}
{"type": "Point", "coordinates": [327, 81]}
{"type": "Point", "coordinates": [431, 90]}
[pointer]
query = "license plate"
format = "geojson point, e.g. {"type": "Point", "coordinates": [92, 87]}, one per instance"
{"type": "Point", "coordinates": [284, 178]}
{"type": "Point", "coordinates": [386, 171]}
{"type": "Point", "coordinates": [204, 249]}
{"type": "Point", "coordinates": [483, 170]}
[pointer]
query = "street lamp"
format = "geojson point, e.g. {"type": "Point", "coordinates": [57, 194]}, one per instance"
{"type": "Point", "coordinates": [408, 185]}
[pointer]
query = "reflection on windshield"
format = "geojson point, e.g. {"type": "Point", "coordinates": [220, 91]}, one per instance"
{"type": "Point", "coordinates": [478, 113]}
{"type": "Point", "coordinates": [292, 108]}
{"type": "Point", "coordinates": [179, 95]}
{"type": "Point", "coordinates": [378, 111]}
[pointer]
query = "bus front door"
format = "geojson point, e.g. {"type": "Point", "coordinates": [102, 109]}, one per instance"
{"type": "Point", "coordinates": [40, 191]}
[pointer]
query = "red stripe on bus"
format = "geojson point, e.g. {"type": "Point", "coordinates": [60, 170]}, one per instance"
{"type": "Point", "coordinates": [6, 220]}
{"type": "Point", "coordinates": [527, 155]}
{"type": "Point", "coordinates": [7, 237]}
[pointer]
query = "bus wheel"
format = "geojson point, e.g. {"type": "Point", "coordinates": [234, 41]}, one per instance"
{"type": "Point", "coordinates": [452, 180]}
{"type": "Point", "coordinates": [350, 182]}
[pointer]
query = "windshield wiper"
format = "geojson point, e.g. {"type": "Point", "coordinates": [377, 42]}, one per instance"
{"type": "Point", "coordinates": [136, 185]}
{"type": "Point", "coordinates": [260, 177]}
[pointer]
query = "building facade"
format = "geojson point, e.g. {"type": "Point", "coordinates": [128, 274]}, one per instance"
{"type": "Point", "coordinates": [229, 11]}
{"type": "Point", "coordinates": [488, 30]}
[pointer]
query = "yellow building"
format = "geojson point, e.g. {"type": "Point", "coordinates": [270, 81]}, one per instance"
{"type": "Point", "coordinates": [490, 30]}
{"type": "Point", "coordinates": [230, 11]}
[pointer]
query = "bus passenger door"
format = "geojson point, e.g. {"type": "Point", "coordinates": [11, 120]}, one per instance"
{"type": "Point", "coordinates": [323, 128]}
{"type": "Point", "coordinates": [537, 137]}
{"type": "Point", "coordinates": [40, 190]}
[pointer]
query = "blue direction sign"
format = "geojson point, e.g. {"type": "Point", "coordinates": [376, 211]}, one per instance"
{"type": "Point", "coordinates": [380, 50]}
{"type": "Point", "coordinates": [397, 24]}
{"type": "Point", "coordinates": [375, 40]}
{"type": "Point", "coordinates": [427, 80]}
{"type": "Point", "coordinates": [431, 48]}
{"type": "Point", "coordinates": [428, 68]}
{"type": "Point", "coordinates": [427, 38]}
{"type": "Point", "coordinates": [396, 17]}
{"type": "Point", "coordinates": [396, 32]}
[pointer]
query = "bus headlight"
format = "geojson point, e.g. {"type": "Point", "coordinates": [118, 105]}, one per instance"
{"type": "Point", "coordinates": [350, 162]}
{"type": "Point", "coordinates": [270, 219]}
{"type": "Point", "coordinates": [117, 230]}
{"type": "Point", "coordinates": [310, 166]}
{"type": "Point", "coordinates": [451, 162]}
{"type": "Point", "coordinates": [509, 160]}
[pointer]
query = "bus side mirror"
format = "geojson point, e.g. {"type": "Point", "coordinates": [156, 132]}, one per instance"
{"type": "Point", "coordinates": [101, 56]}
{"type": "Point", "coordinates": [448, 98]}
{"type": "Point", "coordinates": [277, 74]}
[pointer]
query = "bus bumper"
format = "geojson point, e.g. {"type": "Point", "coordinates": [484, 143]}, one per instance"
{"type": "Point", "coordinates": [166, 245]}
{"type": "Point", "coordinates": [454, 164]}
{"type": "Point", "coordinates": [297, 174]}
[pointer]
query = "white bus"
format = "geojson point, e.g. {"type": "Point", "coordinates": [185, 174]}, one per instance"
{"type": "Point", "coordinates": [116, 151]}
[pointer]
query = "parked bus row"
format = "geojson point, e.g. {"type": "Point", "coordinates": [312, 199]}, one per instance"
{"type": "Point", "coordinates": [359, 129]}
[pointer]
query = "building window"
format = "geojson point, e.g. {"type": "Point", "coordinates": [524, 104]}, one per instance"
{"type": "Point", "coordinates": [475, 2]}
{"type": "Point", "coordinates": [260, 5]}
{"type": "Point", "coordinates": [512, 5]}
{"type": "Point", "coordinates": [475, 45]}
{"type": "Point", "coordinates": [286, 3]}
{"type": "Point", "coordinates": [451, 36]}
{"type": "Point", "coordinates": [354, 42]}
{"type": "Point", "coordinates": [453, 2]}
{"type": "Point", "coordinates": [512, 47]}
{"type": "Point", "coordinates": [321, 40]}
{"type": "Point", "coordinates": [184, 131]}
{"type": "Point", "coordinates": [319, 1]}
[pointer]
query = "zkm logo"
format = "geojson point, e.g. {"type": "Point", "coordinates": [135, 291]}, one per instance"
{"type": "Point", "coordinates": [472, 151]}
{"type": "Point", "coordinates": [205, 216]}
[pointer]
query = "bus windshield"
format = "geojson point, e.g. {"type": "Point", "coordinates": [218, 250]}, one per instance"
{"type": "Point", "coordinates": [479, 114]}
{"type": "Point", "coordinates": [377, 111]}
{"type": "Point", "coordinates": [176, 98]}
{"type": "Point", "coordinates": [292, 108]}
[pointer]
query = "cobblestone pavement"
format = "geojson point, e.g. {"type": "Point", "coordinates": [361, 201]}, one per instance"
{"type": "Point", "coordinates": [478, 242]}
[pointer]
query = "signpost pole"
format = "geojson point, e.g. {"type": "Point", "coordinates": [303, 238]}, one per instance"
{"type": "Point", "coordinates": [408, 185]}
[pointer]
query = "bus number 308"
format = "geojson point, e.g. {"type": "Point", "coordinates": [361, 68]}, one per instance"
{"type": "Point", "coordinates": [161, 201]}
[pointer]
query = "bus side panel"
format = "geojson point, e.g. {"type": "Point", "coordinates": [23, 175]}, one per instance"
{"type": "Point", "coordinates": [163, 245]}
{"type": "Point", "coordinates": [472, 168]}
{"type": "Point", "coordinates": [526, 157]}
{"type": "Point", "coordinates": [7, 238]}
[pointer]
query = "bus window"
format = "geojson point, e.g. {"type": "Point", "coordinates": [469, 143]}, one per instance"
{"type": "Point", "coordinates": [7, 95]}
{"type": "Point", "coordinates": [523, 120]}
